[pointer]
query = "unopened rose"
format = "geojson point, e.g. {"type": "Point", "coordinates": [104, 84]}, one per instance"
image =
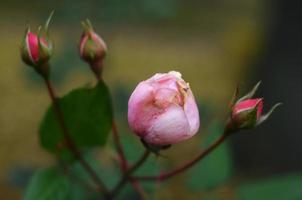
{"type": "Point", "coordinates": [162, 110]}
{"type": "Point", "coordinates": [35, 51]}
{"type": "Point", "coordinates": [92, 48]}
{"type": "Point", "coordinates": [246, 113]}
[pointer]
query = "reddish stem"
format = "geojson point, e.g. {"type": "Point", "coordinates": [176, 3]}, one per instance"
{"type": "Point", "coordinates": [128, 173]}
{"type": "Point", "coordinates": [118, 144]}
{"type": "Point", "coordinates": [69, 141]}
{"type": "Point", "coordinates": [122, 158]}
{"type": "Point", "coordinates": [186, 166]}
{"type": "Point", "coordinates": [124, 164]}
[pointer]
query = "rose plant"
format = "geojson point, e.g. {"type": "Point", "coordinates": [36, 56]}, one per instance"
{"type": "Point", "coordinates": [162, 112]}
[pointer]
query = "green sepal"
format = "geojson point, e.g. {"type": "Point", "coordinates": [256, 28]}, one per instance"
{"type": "Point", "coordinates": [24, 49]}
{"type": "Point", "coordinates": [263, 118]}
{"type": "Point", "coordinates": [246, 119]}
{"type": "Point", "coordinates": [250, 94]}
{"type": "Point", "coordinates": [155, 148]}
{"type": "Point", "coordinates": [87, 25]}
{"type": "Point", "coordinates": [46, 26]}
{"type": "Point", "coordinates": [250, 118]}
{"type": "Point", "coordinates": [234, 97]}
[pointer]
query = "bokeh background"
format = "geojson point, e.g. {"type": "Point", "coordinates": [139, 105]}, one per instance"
{"type": "Point", "coordinates": [215, 44]}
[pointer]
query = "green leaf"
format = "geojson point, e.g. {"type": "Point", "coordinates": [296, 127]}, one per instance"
{"type": "Point", "coordinates": [211, 197]}
{"type": "Point", "coordinates": [78, 192]}
{"type": "Point", "coordinates": [78, 176]}
{"type": "Point", "coordinates": [107, 170]}
{"type": "Point", "coordinates": [128, 193]}
{"type": "Point", "coordinates": [88, 116]}
{"type": "Point", "coordinates": [214, 169]}
{"type": "Point", "coordinates": [48, 184]}
{"type": "Point", "coordinates": [277, 188]}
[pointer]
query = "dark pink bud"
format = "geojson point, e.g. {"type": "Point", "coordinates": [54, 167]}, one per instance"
{"type": "Point", "coordinates": [36, 51]}
{"type": "Point", "coordinates": [32, 45]}
{"type": "Point", "coordinates": [92, 48]}
{"type": "Point", "coordinates": [247, 113]}
{"type": "Point", "coordinates": [247, 105]}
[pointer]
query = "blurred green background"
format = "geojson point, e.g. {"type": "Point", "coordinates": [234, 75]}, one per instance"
{"type": "Point", "coordinates": [214, 44]}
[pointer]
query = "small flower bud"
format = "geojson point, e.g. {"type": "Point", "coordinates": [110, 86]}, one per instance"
{"type": "Point", "coordinates": [92, 48]}
{"type": "Point", "coordinates": [36, 50]}
{"type": "Point", "coordinates": [246, 113]}
{"type": "Point", "coordinates": [34, 54]}
{"type": "Point", "coordinates": [162, 110]}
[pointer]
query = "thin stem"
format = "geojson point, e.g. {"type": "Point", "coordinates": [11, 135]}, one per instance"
{"type": "Point", "coordinates": [66, 170]}
{"type": "Point", "coordinates": [123, 161]}
{"type": "Point", "coordinates": [186, 166]}
{"type": "Point", "coordinates": [119, 147]}
{"type": "Point", "coordinates": [69, 141]}
{"type": "Point", "coordinates": [138, 188]}
{"type": "Point", "coordinates": [128, 173]}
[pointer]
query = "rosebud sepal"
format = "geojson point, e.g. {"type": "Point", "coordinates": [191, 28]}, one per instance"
{"type": "Point", "coordinates": [92, 48]}
{"type": "Point", "coordinates": [155, 148]}
{"type": "Point", "coordinates": [43, 70]}
{"type": "Point", "coordinates": [249, 118]}
{"type": "Point", "coordinates": [265, 117]}
{"type": "Point", "coordinates": [250, 94]}
{"type": "Point", "coordinates": [246, 119]}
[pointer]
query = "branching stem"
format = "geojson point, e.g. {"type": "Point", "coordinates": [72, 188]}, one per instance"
{"type": "Point", "coordinates": [70, 143]}
{"type": "Point", "coordinates": [127, 174]}
{"type": "Point", "coordinates": [187, 165]}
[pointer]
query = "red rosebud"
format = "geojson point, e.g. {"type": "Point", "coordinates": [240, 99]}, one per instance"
{"type": "Point", "coordinates": [247, 113]}
{"type": "Point", "coordinates": [92, 48]}
{"type": "Point", "coordinates": [36, 50]}
{"type": "Point", "coordinates": [34, 54]}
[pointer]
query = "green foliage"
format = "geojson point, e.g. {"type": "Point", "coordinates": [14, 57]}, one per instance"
{"type": "Point", "coordinates": [211, 197]}
{"type": "Point", "coordinates": [108, 171]}
{"type": "Point", "coordinates": [128, 193]}
{"type": "Point", "coordinates": [88, 116]}
{"type": "Point", "coordinates": [134, 150]}
{"type": "Point", "coordinates": [278, 188]}
{"type": "Point", "coordinates": [48, 184]}
{"type": "Point", "coordinates": [53, 184]}
{"type": "Point", "coordinates": [79, 192]}
{"type": "Point", "coordinates": [214, 169]}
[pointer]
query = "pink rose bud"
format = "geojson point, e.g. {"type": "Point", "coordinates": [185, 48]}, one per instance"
{"type": "Point", "coordinates": [36, 50]}
{"type": "Point", "coordinates": [247, 113]}
{"type": "Point", "coordinates": [162, 110]}
{"type": "Point", "coordinates": [32, 53]}
{"type": "Point", "coordinates": [92, 48]}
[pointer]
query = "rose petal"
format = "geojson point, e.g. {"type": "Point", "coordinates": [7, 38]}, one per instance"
{"type": "Point", "coordinates": [170, 127]}
{"type": "Point", "coordinates": [191, 111]}
{"type": "Point", "coordinates": [249, 104]}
